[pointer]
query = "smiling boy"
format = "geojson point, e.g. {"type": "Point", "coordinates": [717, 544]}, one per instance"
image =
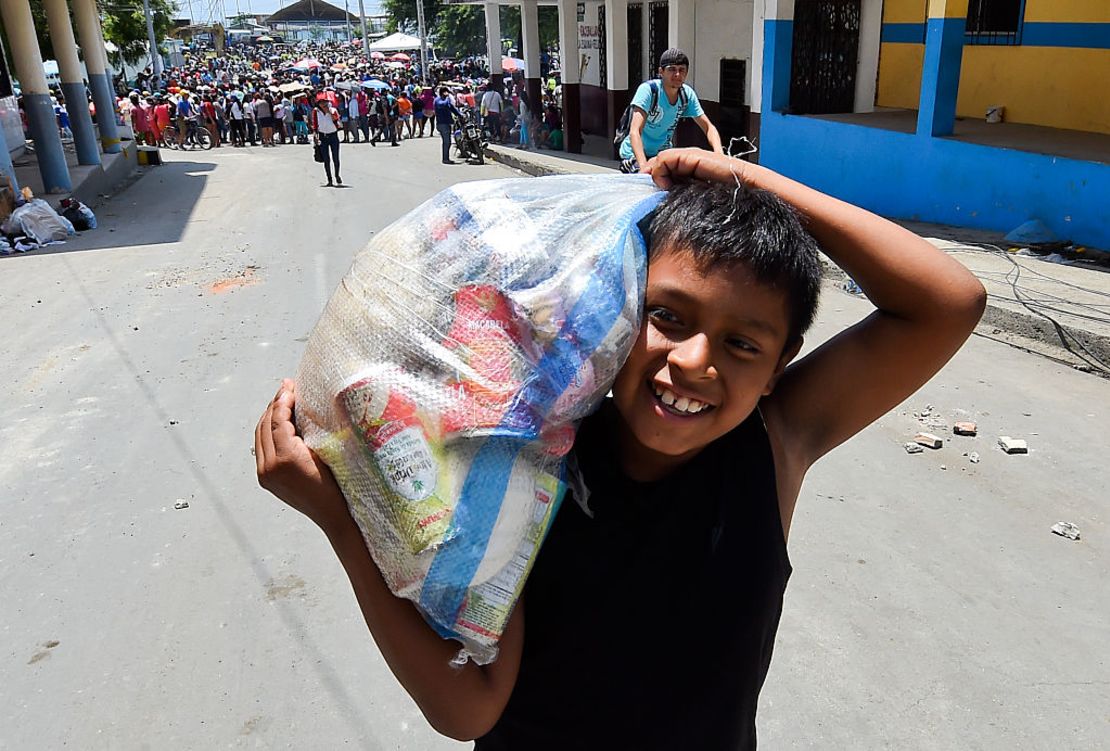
{"type": "Point", "coordinates": [650, 615]}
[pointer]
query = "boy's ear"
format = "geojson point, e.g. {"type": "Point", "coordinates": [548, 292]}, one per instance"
{"type": "Point", "coordinates": [789, 352]}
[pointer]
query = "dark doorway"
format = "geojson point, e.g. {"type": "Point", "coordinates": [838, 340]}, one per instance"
{"type": "Point", "coordinates": [658, 34]}
{"type": "Point", "coordinates": [825, 56]}
{"type": "Point", "coordinates": [732, 122]}
{"type": "Point", "coordinates": [635, 44]}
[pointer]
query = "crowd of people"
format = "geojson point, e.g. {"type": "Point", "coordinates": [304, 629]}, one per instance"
{"type": "Point", "coordinates": [271, 95]}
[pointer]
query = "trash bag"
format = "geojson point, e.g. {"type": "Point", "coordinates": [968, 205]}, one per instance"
{"type": "Point", "coordinates": [38, 220]}
{"type": "Point", "coordinates": [79, 215]}
{"type": "Point", "coordinates": [446, 377]}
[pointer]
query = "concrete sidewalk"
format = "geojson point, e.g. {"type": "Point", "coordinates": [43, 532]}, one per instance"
{"type": "Point", "coordinates": [1059, 310]}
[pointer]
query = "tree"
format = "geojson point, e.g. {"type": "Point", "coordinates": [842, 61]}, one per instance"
{"type": "Point", "coordinates": [460, 30]}
{"type": "Point", "coordinates": [124, 26]}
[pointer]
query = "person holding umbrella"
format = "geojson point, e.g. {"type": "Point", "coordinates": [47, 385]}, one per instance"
{"type": "Point", "coordinates": [325, 136]}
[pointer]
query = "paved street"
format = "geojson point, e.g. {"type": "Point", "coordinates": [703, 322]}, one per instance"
{"type": "Point", "coordinates": [930, 605]}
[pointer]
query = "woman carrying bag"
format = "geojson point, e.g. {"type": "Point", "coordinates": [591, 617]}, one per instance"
{"type": "Point", "coordinates": [325, 137]}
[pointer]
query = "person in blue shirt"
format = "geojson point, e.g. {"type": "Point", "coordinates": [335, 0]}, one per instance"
{"type": "Point", "coordinates": [185, 113]}
{"type": "Point", "coordinates": [652, 129]}
{"type": "Point", "coordinates": [445, 110]}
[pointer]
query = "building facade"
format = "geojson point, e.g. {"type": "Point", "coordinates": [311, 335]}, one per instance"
{"type": "Point", "coordinates": [975, 113]}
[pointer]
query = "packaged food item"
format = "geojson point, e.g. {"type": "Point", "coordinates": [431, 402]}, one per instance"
{"type": "Point", "coordinates": [445, 379]}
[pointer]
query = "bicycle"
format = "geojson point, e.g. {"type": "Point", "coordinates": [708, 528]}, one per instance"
{"type": "Point", "coordinates": [195, 136]}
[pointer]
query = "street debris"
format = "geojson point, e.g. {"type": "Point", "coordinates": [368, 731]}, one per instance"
{"type": "Point", "coordinates": [965, 428]}
{"type": "Point", "coordinates": [1066, 529]}
{"type": "Point", "coordinates": [912, 448]}
{"type": "Point", "coordinates": [973, 457]}
{"type": "Point", "coordinates": [181, 504]}
{"type": "Point", "coordinates": [851, 287]}
{"type": "Point", "coordinates": [928, 440]}
{"type": "Point", "coordinates": [1013, 445]}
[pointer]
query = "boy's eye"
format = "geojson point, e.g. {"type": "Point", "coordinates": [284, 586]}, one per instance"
{"type": "Point", "coordinates": [661, 315]}
{"type": "Point", "coordinates": [743, 345]}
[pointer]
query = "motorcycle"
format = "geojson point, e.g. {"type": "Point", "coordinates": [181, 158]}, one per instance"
{"type": "Point", "coordinates": [470, 142]}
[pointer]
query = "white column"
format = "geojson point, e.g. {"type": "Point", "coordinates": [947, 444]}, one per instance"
{"type": "Point", "coordinates": [867, 72]}
{"type": "Point", "coordinates": [96, 67]}
{"type": "Point", "coordinates": [530, 31]}
{"type": "Point", "coordinates": [27, 59]}
{"type": "Point", "coordinates": [88, 29]}
{"type": "Point", "coordinates": [755, 73]}
{"type": "Point", "coordinates": [69, 69]}
{"type": "Point", "coordinates": [680, 32]}
{"type": "Point", "coordinates": [493, 37]}
{"type": "Point", "coordinates": [616, 44]}
{"type": "Point", "coordinates": [568, 40]}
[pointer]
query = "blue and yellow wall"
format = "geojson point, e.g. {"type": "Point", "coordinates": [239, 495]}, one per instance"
{"type": "Point", "coordinates": [929, 177]}
{"type": "Point", "coordinates": [1058, 75]}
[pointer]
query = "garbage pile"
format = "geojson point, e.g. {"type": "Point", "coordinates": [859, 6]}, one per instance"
{"type": "Point", "coordinates": [32, 223]}
{"type": "Point", "coordinates": [445, 379]}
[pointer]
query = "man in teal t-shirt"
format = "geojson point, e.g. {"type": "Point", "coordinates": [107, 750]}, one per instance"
{"type": "Point", "coordinates": [651, 129]}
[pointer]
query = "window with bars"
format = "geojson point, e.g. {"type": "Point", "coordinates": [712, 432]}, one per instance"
{"type": "Point", "coordinates": [994, 21]}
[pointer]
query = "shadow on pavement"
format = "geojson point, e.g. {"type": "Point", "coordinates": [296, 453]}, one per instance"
{"type": "Point", "coordinates": [152, 209]}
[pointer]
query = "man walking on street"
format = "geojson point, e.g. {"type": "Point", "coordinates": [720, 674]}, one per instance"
{"type": "Point", "coordinates": [656, 108]}
{"type": "Point", "coordinates": [445, 111]}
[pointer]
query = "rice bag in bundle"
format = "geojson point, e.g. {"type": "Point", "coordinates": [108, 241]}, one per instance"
{"type": "Point", "coordinates": [445, 379]}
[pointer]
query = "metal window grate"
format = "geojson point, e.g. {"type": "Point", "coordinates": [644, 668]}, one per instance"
{"type": "Point", "coordinates": [994, 21]}
{"type": "Point", "coordinates": [658, 33]}
{"type": "Point", "coordinates": [635, 44]}
{"type": "Point", "coordinates": [602, 62]}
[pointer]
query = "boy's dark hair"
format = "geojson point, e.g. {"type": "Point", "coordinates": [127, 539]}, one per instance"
{"type": "Point", "coordinates": [722, 225]}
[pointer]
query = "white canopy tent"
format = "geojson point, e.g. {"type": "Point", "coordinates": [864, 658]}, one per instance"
{"type": "Point", "coordinates": [397, 42]}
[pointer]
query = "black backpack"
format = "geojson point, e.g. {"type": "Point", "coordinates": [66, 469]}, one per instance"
{"type": "Point", "coordinates": [625, 124]}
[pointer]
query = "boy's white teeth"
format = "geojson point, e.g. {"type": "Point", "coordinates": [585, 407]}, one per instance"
{"type": "Point", "coordinates": [680, 403]}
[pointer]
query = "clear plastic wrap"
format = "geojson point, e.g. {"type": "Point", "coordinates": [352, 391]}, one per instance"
{"type": "Point", "coordinates": [445, 378]}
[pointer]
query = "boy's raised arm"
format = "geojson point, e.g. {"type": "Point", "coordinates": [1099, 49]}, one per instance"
{"type": "Point", "coordinates": [462, 703]}
{"type": "Point", "coordinates": [928, 304]}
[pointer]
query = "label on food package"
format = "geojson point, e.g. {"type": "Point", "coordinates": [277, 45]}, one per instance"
{"type": "Point", "coordinates": [488, 605]}
{"type": "Point", "coordinates": [416, 488]}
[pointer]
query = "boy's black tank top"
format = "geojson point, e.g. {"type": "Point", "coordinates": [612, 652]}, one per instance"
{"type": "Point", "coordinates": [651, 624]}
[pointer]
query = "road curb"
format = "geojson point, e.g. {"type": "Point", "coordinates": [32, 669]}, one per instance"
{"type": "Point", "coordinates": [520, 162]}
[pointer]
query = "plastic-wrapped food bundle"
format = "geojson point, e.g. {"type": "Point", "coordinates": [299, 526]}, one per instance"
{"type": "Point", "coordinates": [445, 378]}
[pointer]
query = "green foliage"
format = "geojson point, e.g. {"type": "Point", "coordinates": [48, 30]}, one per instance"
{"type": "Point", "coordinates": [460, 30]}
{"type": "Point", "coordinates": [124, 26]}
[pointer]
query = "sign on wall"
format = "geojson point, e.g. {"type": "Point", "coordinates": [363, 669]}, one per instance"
{"type": "Point", "coordinates": [589, 44]}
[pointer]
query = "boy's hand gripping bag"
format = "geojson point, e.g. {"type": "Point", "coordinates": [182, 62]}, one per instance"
{"type": "Point", "coordinates": [446, 377]}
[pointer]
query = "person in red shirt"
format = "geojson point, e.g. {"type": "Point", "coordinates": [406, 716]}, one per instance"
{"type": "Point", "coordinates": [208, 110]}
{"type": "Point", "coordinates": [162, 115]}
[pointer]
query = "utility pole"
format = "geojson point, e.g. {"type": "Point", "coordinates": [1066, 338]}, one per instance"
{"type": "Point", "coordinates": [365, 38]}
{"type": "Point", "coordinates": [347, 19]}
{"type": "Point", "coordinates": [423, 41]}
{"type": "Point", "coordinates": [155, 55]}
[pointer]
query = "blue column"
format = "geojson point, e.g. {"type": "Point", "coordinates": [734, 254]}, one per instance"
{"type": "Point", "coordinates": [92, 47]}
{"type": "Point", "coordinates": [48, 145]}
{"type": "Point", "coordinates": [27, 58]}
{"type": "Point", "coordinates": [778, 45]}
{"type": "Point", "coordinates": [940, 75]}
{"type": "Point", "coordinates": [65, 50]}
{"type": "Point", "coordinates": [80, 122]}
{"type": "Point", "coordinates": [105, 102]}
